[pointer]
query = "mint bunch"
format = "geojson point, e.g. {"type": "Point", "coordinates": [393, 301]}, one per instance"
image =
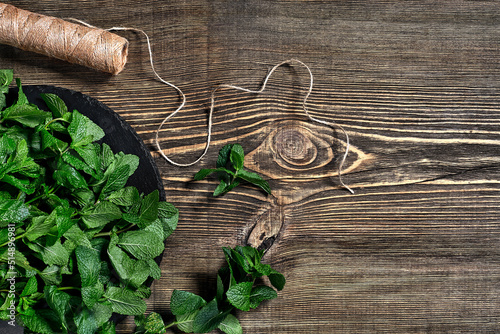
{"type": "Point", "coordinates": [78, 242]}
{"type": "Point", "coordinates": [229, 168]}
{"type": "Point", "coordinates": [237, 288]}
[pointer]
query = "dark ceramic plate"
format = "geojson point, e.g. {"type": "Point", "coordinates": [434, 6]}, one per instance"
{"type": "Point", "coordinates": [119, 135]}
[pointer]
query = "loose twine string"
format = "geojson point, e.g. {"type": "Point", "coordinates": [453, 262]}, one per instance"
{"type": "Point", "coordinates": [229, 86]}
{"type": "Point", "coordinates": [49, 21]}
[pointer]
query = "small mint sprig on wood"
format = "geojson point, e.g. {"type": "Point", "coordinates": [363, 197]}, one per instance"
{"type": "Point", "coordinates": [230, 171]}
{"type": "Point", "coordinates": [238, 287]}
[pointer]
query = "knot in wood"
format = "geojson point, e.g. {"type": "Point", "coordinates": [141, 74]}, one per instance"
{"type": "Point", "coordinates": [294, 147]}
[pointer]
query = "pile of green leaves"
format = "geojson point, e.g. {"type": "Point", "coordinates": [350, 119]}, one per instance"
{"type": "Point", "coordinates": [230, 171]}
{"type": "Point", "coordinates": [236, 289]}
{"type": "Point", "coordinates": [85, 242]}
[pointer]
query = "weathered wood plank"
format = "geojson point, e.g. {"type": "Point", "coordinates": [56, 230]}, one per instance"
{"type": "Point", "coordinates": [416, 86]}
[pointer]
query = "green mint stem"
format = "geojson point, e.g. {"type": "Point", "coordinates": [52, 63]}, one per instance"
{"type": "Point", "coordinates": [54, 120]}
{"type": "Point", "coordinates": [35, 199]}
{"type": "Point", "coordinates": [174, 323]}
{"type": "Point", "coordinates": [51, 191]}
{"type": "Point", "coordinates": [18, 237]}
{"type": "Point", "coordinates": [68, 288]}
{"type": "Point", "coordinates": [107, 234]}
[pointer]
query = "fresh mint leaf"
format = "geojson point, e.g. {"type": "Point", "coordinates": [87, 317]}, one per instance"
{"type": "Point", "coordinates": [22, 184]}
{"type": "Point", "coordinates": [76, 235]}
{"type": "Point", "coordinates": [156, 228]}
{"type": "Point", "coordinates": [239, 295]}
{"type": "Point", "coordinates": [182, 302]}
{"type": "Point", "coordinates": [220, 289]}
{"type": "Point", "coordinates": [82, 197]}
{"type": "Point", "coordinates": [255, 179]}
{"type": "Point", "coordinates": [124, 301]}
{"type": "Point", "coordinates": [39, 226]}
{"type": "Point", "coordinates": [20, 155]}
{"type": "Point", "coordinates": [7, 147]}
{"type": "Point", "coordinates": [231, 325]}
{"type": "Point", "coordinates": [6, 77]}
{"type": "Point", "coordinates": [208, 318]}
{"type": "Point", "coordinates": [223, 187]}
{"type": "Point", "coordinates": [88, 262]}
{"type": "Point", "coordinates": [51, 275]}
{"type": "Point", "coordinates": [101, 214]}
{"type": "Point", "coordinates": [203, 173]}
{"type": "Point", "coordinates": [154, 324]}
{"type": "Point", "coordinates": [107, 328]}
{"type": "Point", "coordinates": [238, 267]}
{"type": "Point", "coordinates": [122, 159]}
{"type": "Point", "coordinates": [36, 324]}
{"type": "Point", "coordinates": [143, 245]}
{"type": "Point", "coordinates": [102, 311]}
{"type": "Point", "coordinates": [277, 279]}
{"type": "Point", "coordinates": [55, 104]}
{"type": "Point", "coordinates": [68, 177]}
{"type": "Point", "coordinates": [140, 273]}
{"type": "Point", "coordinates": [77, 163]}
{"type": "Point", "coordinates": [91, 294]}
{"type": "Point", "coordinates": [83, 131]}
{"type": "Point", "coordinates": [113, 163]}
{"type": "Point", "coordinates": [236, 289]}
{"type": "Point", "coordinates": [26, 114]}
{"type": "Point", "coordinates": [50, 142]}
{"type": "Point", "coordinates": [237, 156]}
{"type": "Point", "coordinates": [130, 271]}
{"type": "Point", "coordinates": [116, 180]}
{"type": "Point", "coordinates": [85, 322]}
{"type": "Point", "coordinates": [59, 302]}
{"type": "Point", "coordinates": [12, 211]}
{"type": "Point", "coordinates": [154, 269]}
{"type": "Point", "coordinates": [30, 288]}
{"type": "Point", "coordinates": [185, 321]}
{"type": "Point", "coordinates": [126, 196]}
{"type": "Point", "coordinates": [91, 154]}
{"type": "Point", "coordinates": [224, 156]}
{"type": "Point", "coordinates": [120, 261]}
{"type": "Point", "coordinates": [62, 216]}
{"type": "Point", "coordinates": [149, 209]}
{"type": "Point", "coordinates": [261, 293]}
{"type": "Point", "coordinates": [105, 272]}
{"type": "Point", "coordinates": [168, 215]}
{"type": "Point", "coordinates": [107, 157]}
{"type": "Point", "coordinates": [143, 292]}
{"type": "Point", "coordinates": [55, 254]}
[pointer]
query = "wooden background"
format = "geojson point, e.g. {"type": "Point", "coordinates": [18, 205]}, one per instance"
{"type": "Point", "coordinates": [416, 84]}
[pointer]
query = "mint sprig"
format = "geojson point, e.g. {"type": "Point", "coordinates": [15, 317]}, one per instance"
{"type": "Point", "coordinates": [230, 171]}
{"type": "Point", "coordinates": [237, 288]}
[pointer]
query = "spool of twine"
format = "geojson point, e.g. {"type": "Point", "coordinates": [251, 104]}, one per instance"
{"type": "Point", "coordinates": [88, 46]}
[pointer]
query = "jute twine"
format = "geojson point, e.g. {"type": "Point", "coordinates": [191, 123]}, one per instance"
{"type": "Point", "coordinates": [91, 47]}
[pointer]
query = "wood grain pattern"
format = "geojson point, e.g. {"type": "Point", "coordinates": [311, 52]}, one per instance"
{"type": "Point", "coordinates": [416, 85]}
